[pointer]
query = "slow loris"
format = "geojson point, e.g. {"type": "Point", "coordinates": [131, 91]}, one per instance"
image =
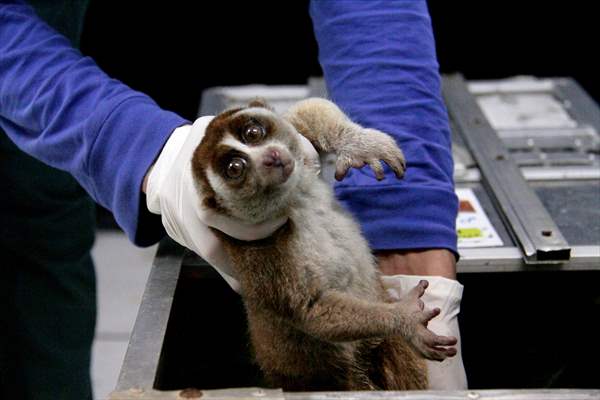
{"type": "Point", "coordinates": [318, 315]}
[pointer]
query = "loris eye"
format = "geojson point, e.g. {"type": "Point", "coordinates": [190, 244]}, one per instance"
{"type": "Point", "coordinates": [253, 133]}
{"type": "Point", "coordinates": [236, 168]}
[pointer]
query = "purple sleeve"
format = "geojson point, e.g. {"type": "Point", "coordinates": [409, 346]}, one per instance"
{"type": "Point", "coordinates": [380, 66]}
{"type": "Point", "coordinates": [59, 107]}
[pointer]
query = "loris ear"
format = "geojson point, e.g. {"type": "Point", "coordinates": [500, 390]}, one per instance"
{"type": "Point", "coordinates": [260, 102]}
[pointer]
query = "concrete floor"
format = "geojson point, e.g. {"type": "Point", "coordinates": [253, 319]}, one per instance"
{"type": "Point", "coordinates": [121, 270]}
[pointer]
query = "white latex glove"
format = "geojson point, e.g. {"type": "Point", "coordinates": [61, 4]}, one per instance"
{"type": "Point", "coordinates": [446, 295]}
{"type": "Point", "coordinates": [171, 192]}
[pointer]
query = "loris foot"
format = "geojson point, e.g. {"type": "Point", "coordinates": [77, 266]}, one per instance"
{"type": "Point", "coordinates": [369, 146]}
{"type": "Point", "coordinates": [330, 130]}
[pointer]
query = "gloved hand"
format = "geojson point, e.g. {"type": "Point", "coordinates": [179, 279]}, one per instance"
{"type": "Point", "coordinates": [171, 192]}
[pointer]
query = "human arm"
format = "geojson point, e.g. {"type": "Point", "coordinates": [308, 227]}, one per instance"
{"type": "Point", "coordinates": [58, 106]}
{"type": "Point", "coordinates": [379, 63]}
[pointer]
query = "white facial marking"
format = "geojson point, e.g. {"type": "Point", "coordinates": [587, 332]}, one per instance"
{"type": "Point", "coordinates": [256, 111]}
{"type": "Point", "coordinates": [253, 152]}
{"type": "Point", "coordinates": [217, 183]}
{"type": "Point", "coordinates": [229, 140]}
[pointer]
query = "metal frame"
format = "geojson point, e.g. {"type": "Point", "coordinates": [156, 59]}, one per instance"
{"type": "Point", "coordinates": [575, 101]}
{"type": "Point", "coordinates": [141, 366]}
{"type": "Point", "coordinates": [276, 394]}
{"type": "Point", "coordinates": [534, 229]}
{"type": "Point", "coordinates": [486, 259]}
{"type": "Point", "coordinates": [580, 104]}
{"type": "Point", "coordinates": [510, 259]}
{"type": "Point", "coordinates": [141, 363]}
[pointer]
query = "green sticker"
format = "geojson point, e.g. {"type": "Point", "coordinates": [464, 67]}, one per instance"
{"type": "Point", "coordinates": [465, 233]}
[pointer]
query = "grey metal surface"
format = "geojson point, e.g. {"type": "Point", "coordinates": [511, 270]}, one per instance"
{"type": "Point", "coordinates": [550, 126]}
{"type": "Point", "coordinates": [141, 363]}
{"type": "Point", "coordinates": [317, 87]}
{"type": "Point", "coordinates": [510, 259]}
{"type": "Point", "coordinates": [277, 394]}
{"type": "Point", "coordinates": [534, 229]}
{"type": "Point", "coordinates": [581, 106]}
{"type": "Point", "coordinates": [486, 260]}
{"type": "Point", "coordinates": [539, 394]}
{"type": "Point", "coordinates": [280, 97]}
{"type": "Point", "coordinates": [574, 207]}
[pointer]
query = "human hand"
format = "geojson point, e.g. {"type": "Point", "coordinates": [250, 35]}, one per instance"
{"type": "Point", "coordinates": [171, 192]}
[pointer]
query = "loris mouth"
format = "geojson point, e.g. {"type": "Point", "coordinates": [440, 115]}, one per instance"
{"type": "Point", "coordinates": [277, 166]}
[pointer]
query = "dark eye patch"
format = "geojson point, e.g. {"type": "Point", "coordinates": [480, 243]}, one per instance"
{"type": "Point", "coordinates": [231, 164]}
{"type": "Point", "coordinates": [251, 130]}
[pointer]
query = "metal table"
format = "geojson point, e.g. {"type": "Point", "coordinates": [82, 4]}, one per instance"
{"type": "Point", "coordinates": [530, 314]}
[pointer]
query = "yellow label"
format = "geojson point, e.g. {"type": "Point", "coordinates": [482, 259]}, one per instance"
{"type": "Point", "coordinates": [465, 233]}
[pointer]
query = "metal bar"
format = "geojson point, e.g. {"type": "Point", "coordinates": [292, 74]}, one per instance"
{"type": "Point", "coordinates": [140, 366]}
{"type": "Point", "coordinates": [220, 394]}
{"type": "Point", "coordinates": [535, 394]}
{"type": "Point", "coordinates": [510, 259]}
{"type": "Point", "coordinates": [277, 394]}
{"type": "Point", "coordinates": [532, 226]}
{"type": "Point", "coordinates": [484, 259]}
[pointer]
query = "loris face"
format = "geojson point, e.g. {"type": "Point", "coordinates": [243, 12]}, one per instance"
{"type": "Point", "coordinates": [248, 163]}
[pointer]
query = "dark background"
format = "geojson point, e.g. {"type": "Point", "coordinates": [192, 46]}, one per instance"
{"type": "Point", "coordinates": [173, 50]}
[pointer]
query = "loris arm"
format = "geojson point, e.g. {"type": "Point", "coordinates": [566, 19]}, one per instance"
{"type": "Point", "coordinates": [339, 317]}
{"type": "Point", "coordinates": [330, 130]}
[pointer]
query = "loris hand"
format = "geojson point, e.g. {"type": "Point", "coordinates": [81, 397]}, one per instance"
{"type": "Point", "coordinates": [424, 341]}
{"type": "Point", "coordinates": [171, 192]}
{"type": "Point", "coordinates": [368, 147]}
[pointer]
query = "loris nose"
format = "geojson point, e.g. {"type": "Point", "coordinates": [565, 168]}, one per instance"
{"type": "Point", "coordinates": [272, 158]}
{"type": "Point", "coordinates": [277, 163]}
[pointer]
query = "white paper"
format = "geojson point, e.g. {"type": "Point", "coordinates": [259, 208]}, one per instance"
{"type": "Point", "coordinates": [472, 224]}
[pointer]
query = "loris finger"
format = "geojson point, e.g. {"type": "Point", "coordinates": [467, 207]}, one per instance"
{"type": "Point", "coordinates": [342, 165]}
{"type": "Point", "coordinates": [397, 164]}
{"type": "Point", "coordinates": [444, 341]}
{"type": "Point", "coordinates": [435, 355]}
{"type": "Point", "coordinates": [419, 290]}
{"type": "Point", "coordinates": [448, 351]}
{"type": "Point", "coordinates": [377, 169]}
{"type": "Point", "coordinates": [433, 340]}
{"type": "Point", "coordinates": [428, 315]}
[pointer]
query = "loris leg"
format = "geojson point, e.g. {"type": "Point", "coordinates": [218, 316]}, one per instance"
{"type": "Point", "coordinates": [330, 130]}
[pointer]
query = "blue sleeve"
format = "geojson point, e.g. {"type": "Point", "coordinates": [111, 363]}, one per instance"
{"type": "Point", "coordinates": [59, 107]}
{"type": "Point", "coordinates": [380, 66]}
